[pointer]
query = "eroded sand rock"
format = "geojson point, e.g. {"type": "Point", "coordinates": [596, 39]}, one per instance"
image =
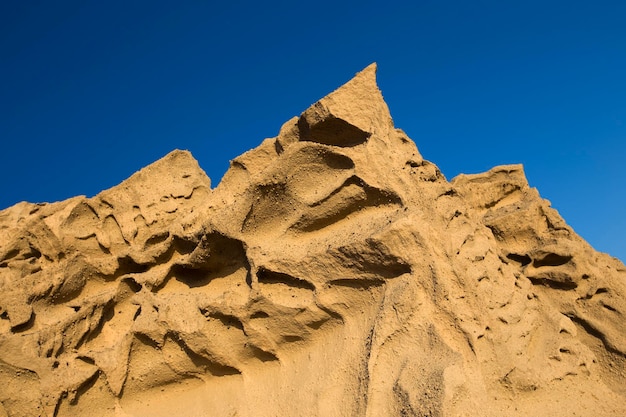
{"type": "Point", "coordinates": [333, 272]}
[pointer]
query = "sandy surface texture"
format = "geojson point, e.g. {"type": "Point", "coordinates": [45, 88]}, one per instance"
{"type": "Point", "coordinates": [333, 272]}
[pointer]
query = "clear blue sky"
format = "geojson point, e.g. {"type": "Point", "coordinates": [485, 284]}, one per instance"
{"type": "Point", "coordinates": [93, 91]}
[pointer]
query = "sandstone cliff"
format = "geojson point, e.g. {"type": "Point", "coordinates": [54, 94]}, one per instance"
{"type": "Point", "coordinates": [333, 272]}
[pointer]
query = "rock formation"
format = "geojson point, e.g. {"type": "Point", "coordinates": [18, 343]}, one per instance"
{"type": "Point", "coordinates": [332, 272]}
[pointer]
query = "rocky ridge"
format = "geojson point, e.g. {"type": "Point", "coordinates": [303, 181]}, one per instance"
{"type": "Point", "coordinates": [332, 272]}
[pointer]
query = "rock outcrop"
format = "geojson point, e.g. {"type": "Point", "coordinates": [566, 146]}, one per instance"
{"type": "Point", "coordinates": [332, 272]}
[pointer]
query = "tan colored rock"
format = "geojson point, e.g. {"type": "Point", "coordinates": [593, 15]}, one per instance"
{"type": "Point", "coordinates": [333, 272]}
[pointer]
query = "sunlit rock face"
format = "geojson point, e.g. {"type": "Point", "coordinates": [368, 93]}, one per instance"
{"type": "Point", "coordinates": [333, 272]}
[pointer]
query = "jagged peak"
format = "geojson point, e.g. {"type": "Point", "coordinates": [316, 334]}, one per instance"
{"type": "Point", "coordinates": [346, 117]}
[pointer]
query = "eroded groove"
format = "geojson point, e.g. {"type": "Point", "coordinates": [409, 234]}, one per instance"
{"type": "Point", "coordinates": [12, 253]}
{"type": "Point", "coordinates": [590, 295]}
{"type": "Point", "coordinates": [292, 338]}
{"type": "Point", "coordinates": [185, 245]}
{"type": "Point", "coordinates": [265, 276]}
{"type": "Point", "coordinates": [133, 285]}
{"type": "Point", "coordinates": [259, 315]}
{"type": "Point", "coordinates": [27, 325]}
{"type": "Point", "coordinates": [216, 252]}
{"type": "Point", "coordinates": [315, 325]}
{"type": "Point", "coordinates": [523, 260]}
{"type": "Point", "coordinates": [106, 314]}
{"type": "Point", "coordinates": [336, 160]}
{"type": "Point", "coordinates": [226, 319]}
{"type": "Point", "coordinates": [263, 355]}
{"type": "Point", "coordinates": [551, 259]}
{"type": "Point", "coordinates": [595, 332]}
{"type": "Point", "coordinates": [359, 284]}
{"type": "Point", "coordinates": [84, 387]}
{"type": "Point", "coordinates": [156, 239]}
{"type": "Point", "coordinates": [86, 359]}
{"type": "Point", "coordinates": [271, 203]}
{"type": "Point", "coordinates": [609, 307]}
{"type": "Point", "coordinates": [332, 313]}
{"type": "Point", "coordinates": [354, 195]}
{"type": "Point", "coordinates": [497, 233]}
{"type": "Point", "coordinates": [146, 340]}
{"type": "Point", "coordinates": [512, 188]}
{"type": "Point", "coordinates": [332, 131]}
{"type": "Point", "coordinates": [177, 245]}
{"type": "Point", "coordinates": [128, 265]}
{"type": "Point", "coordinates": [193, 278]}
{"type": "Point", "coordinates": [449, 193]}
{"type": "Point", "coordinates": [557, 285]}
{"type": "Point", "coordinates": [386, 196]}
{"type": "Point", "coordinates": [215, 256]}
{"type": "Point", "coordinates": [374, 259]}
{"type": "Point", "coordinates": [200, 361]}
{"type": "Point", "coordinates": [324, 156]}
{"type": "Point", "coordinates": [278, 148]}
{"type": "Point", "coordinates": [32, 252]}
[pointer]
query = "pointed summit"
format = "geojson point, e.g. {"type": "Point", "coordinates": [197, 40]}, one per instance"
{"type": "Point", "coordinates": [348, 115]}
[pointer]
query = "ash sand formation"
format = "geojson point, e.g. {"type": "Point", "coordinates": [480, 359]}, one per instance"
{"type": "Point", "coordinates": [333, 272]}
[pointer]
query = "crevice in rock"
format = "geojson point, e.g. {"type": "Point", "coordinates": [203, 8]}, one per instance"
{"type": "Point", "coordinates": [292, 338]}
{"type": "Point", "coordinates": [26, 325]}
{"type": "Point", "coordinates": [128, 265]}
{"type": "Point", "coordinates": [356, 283]}
{"type": "Point", "coordinates": [156, 239]}
{"type": "Point", "coordinates": [266, 276]}
{"type": "Point", "coordinates": [557, 285]}
{"type": "Point", "coordinates": [332, 131]}
{"type": "Point", "coordinates": [259, 315]}
{"type": "Point", "coordinates": [263, 355]}
{"type": "Point", "coordinates": [523, 260]}
{"type": "Point", "coordinates": [551, 259]}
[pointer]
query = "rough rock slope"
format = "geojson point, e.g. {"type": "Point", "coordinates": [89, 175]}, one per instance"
{"type": "Point", "coordinates": [333, 272]}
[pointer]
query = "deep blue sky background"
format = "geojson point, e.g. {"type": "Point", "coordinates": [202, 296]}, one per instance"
{"type": "Point", "coordinates": [93, 91]}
